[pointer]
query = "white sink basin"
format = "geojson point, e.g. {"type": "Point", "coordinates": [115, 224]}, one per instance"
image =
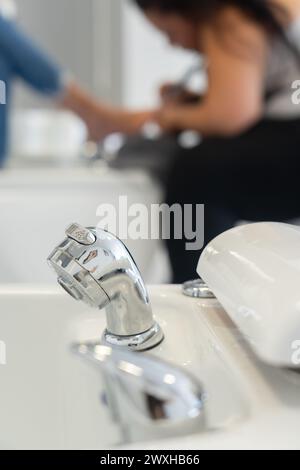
{"type": "Point", "coordinates": [52, 399]}
{"type": "Point", "coordinates": [36, 206]}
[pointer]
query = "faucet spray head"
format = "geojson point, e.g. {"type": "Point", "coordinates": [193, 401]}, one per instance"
{"type": "Point", "coordinates": [95, 267]}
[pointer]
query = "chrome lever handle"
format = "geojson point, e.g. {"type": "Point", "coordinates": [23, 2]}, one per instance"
{"type": "Point", "coordinates": [150, 398]}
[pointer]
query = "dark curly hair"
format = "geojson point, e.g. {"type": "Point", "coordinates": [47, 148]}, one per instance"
{"type": "Point", "coordinates": [265, 13]}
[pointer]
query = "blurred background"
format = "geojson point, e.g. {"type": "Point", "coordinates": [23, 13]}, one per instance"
{"type": "Point", "coordinates": [107, 45]}
{"type": "Point", "coordinates": [55, 174]}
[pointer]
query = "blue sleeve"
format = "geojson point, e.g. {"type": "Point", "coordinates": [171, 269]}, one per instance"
{"type": "Point", "coordinates": [28, 61]}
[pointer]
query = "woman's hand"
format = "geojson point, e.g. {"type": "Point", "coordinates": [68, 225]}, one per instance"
{"type": "Point", "coordinates": [172, 118]}
{"type": "Point", "coordinates": [175, 94]}
{"type": "Point", "coordinates": [101, 119]}
{"type": "Point", "coordinates": [166, 118]}
{"type": "Point", "coordinates": [108, 120]}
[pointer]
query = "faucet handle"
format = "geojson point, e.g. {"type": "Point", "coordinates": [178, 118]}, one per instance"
{"type": "Point", "coordinates": [148, 397]}
{"type": "Point", "coordinates": [81, 235]}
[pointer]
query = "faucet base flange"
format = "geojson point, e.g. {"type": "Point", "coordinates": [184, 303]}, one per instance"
{"type": "Point", "coordinates": [141, 342]}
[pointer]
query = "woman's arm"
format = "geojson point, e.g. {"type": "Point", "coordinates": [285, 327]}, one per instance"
{"type": "Point", "coordinates": [237, 56]}
{"type": "Point", "coordinates": [34, 66]}
{"type": "Point", "coordinates": [28, 61]}
{"type": "Point", "coordinates": [100, 118]}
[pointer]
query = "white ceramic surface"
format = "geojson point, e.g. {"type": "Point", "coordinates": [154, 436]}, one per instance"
{"type": "Point", "coordinates": [52, 399]}
{"type": "Point", "coordinates": [37, 205]}
{"type": "Point", "coordinates": [254, 270]}
{"type": "Point", "coordinates": [41, 136]}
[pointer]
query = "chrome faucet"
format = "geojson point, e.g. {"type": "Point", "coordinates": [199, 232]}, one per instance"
{"type": "Point", "coordinates": [95, 267]}
{"type": "Point", "coordinates": [149, 399]}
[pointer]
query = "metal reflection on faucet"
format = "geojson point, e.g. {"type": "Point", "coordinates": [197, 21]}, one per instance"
{"type": "Point", "coordinates": [94, 266]}
{"type": "Point", "coordinates": [130, 368]}
{"type": "Point", "coordinates": [170, 379]}
{"type": "Point", "coordinates": [148, 398]}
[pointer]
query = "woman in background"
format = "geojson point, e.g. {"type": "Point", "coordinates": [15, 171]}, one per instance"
{"type": "Point", "coordinates": [248, 164]}
{"type": "Point", "coordinates": [21, 58]}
